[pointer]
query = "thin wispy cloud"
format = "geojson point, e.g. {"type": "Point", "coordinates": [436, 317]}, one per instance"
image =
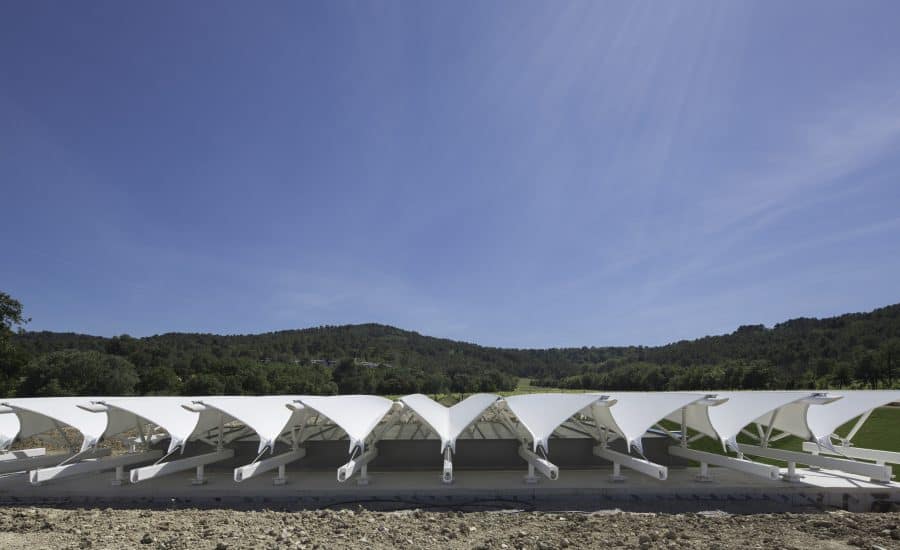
{"type": "Point", "coordinates": [545, 175]}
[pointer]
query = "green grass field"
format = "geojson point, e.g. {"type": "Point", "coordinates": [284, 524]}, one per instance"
{"type": "Point", "coordinates": [526, 387]}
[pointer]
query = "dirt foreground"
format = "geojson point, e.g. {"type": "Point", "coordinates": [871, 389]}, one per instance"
{"type": "Point", "coordinates": [25, 527]}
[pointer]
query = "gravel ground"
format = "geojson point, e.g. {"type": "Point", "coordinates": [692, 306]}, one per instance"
{"type": "Point", "coordinates": [23, 527]}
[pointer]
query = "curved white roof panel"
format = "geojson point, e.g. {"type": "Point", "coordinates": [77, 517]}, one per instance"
{"type": "Point", "coordinates": [268, 416]}
{"type": "Point", "coordinates": [40, 414]}
{"type": "Point", "coordinates": [823, 421]}
{"type": "Point", "coordinates": [166, 412]}
{"type": "Point", "coordinates": [355, 414]}
{"type": "Point", "coordinates": [696, 416]}
{"type": "Point", "coordinates": [542, 413]}
{"type": "Point", "coordinates": [726, 421]}
{"type": "Point", "coordinates": [449, 422]}
{"type": "Point", "coordinates": [9, 429]}
{"type": "Point", "coordinates": [637, 412]}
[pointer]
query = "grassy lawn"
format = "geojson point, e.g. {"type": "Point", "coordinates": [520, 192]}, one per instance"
{"type": "Point", "coordinates": [881, 430]}
{"type": "Point", "coordinates": [526, 387]}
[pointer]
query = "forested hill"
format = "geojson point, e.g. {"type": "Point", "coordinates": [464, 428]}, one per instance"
{"type": "Point", "coordinates": [854, 349]}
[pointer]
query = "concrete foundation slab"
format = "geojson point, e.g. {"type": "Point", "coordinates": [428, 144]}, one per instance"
{"type": "Point", "coordinates": [576, 489]}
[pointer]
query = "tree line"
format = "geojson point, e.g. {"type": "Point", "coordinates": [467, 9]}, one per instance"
{"type": "Point", "coordinates": [853, 350]}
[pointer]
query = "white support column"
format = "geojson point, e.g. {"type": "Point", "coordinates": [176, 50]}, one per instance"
{"type": "Point", "coordinates": [358, 464]}
{"type": "Point", "coordinates": [363, 475]}
{"type": "Point", "coordinates": [534, 461]}
{"type": "Point", "coordinates": [530, 478]}
{"type": "Point", "coordinates": [814, 452]}
{"type": "Point", "coordinates": [857, 426]}
{"type": "Point", "coordinates": [91, 465]}
{"type": "Point", "coordinates": [166, 468]}
{"type": "Point", "coordinates": [703, 476]}
{"type": "Point", "coordinates": [616, 476]}
{"type": "Point", "coordinates": [244, 473]}
{"type": "Point", "coordinates": [198, 478]}
{"type": "Point", "coordinates": [367, 449]}
{"type": "Point", "coordinates": [877, 473]}
{"type": "Point", "coordinates": [705, 459]}
{"type": "Point", "coordinates": [768, 434]}
{"type": "Point", "coordinates": [640, 465]}
{"type": "Point", "coordinates": [447, 476]}
{"type": "Point", "coordinates": [119, 478]}
{"type": "Point", "coordinates": [792, 474]}
{"type": "Point", "coordinates": [22, 453]}
{"type": "Point", "coordinates": [876, 455]}
{"type": "Point", "coordinates": [24, 464]}
{"type": "Point", "coordinates": [537, 463]}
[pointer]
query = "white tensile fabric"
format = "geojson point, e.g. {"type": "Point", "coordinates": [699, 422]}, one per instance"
{"type": "Point", "coordinates": [268, 416]}
{"type": "Point", "coordinates": [357, 415]}
{"type": "Point", "coordinates": [696, 417]}
{"type": "Point", "coordinates": [823, 421]}
{"type": "Point", "coordinates": [636, 412]}
{"type": "Point", "coordinates": [542, 413]}
{"type": "Point", "coordinates": [810, 415]}
{"type": "Point", "coordinates": [792, 417]}
{"type": "Point", "coordinates": [449, 422]}
{"type": "Point", "coordinates": [9, 429]}
{"type": "Point", "coordinates": [167, 413]}
{"type": "Point", "coordinates": [41, 414]}
{"type": "Point", "coordinates": [726, 421]}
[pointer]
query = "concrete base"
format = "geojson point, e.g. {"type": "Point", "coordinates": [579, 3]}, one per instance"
{"type": "Point", "coordinates": [478, 489]}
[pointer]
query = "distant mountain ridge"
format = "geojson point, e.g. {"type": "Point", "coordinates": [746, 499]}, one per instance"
{"type": "Point", "coordinates": [855, 348]}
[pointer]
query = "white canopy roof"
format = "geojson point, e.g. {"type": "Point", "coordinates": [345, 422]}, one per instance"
{"type": "Point", "coordinates": [9, 429]}
{"type": "Point", "coordinates": [637, 412]}
{"type": "Point", "coordinates": [823, 421]}
{"type": "Point", "coordinates": [166, 412]}
{"type": "Point", "coordinates": [268, 416]}
{"type": "Point", "coordinates": [448, 423]}
{"type": "Point", "coordinates": [40, 414]}
{"type": "Point", "coordinates": [542, 413]}
{"type": "Point", "coordinates": [355, 414]}
{"type": "Point", "coordinates": [726, 421]}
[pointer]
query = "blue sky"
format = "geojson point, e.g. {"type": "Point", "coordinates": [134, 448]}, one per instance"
{"type": "Point", "coordinates": [507, 173]}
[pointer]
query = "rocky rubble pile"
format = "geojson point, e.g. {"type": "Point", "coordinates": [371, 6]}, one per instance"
{"type": "Point", "coordinates": [196, 529]}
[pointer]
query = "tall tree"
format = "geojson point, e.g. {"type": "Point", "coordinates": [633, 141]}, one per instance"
{"type": "Point", "coordinates": [889, 354]}
{"type": "Point", "coordinates": [866, 369]}
{"type": "Point", "coordinates": [11, 359]}
{"type": "Point", "coordinates": [10, 317]}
